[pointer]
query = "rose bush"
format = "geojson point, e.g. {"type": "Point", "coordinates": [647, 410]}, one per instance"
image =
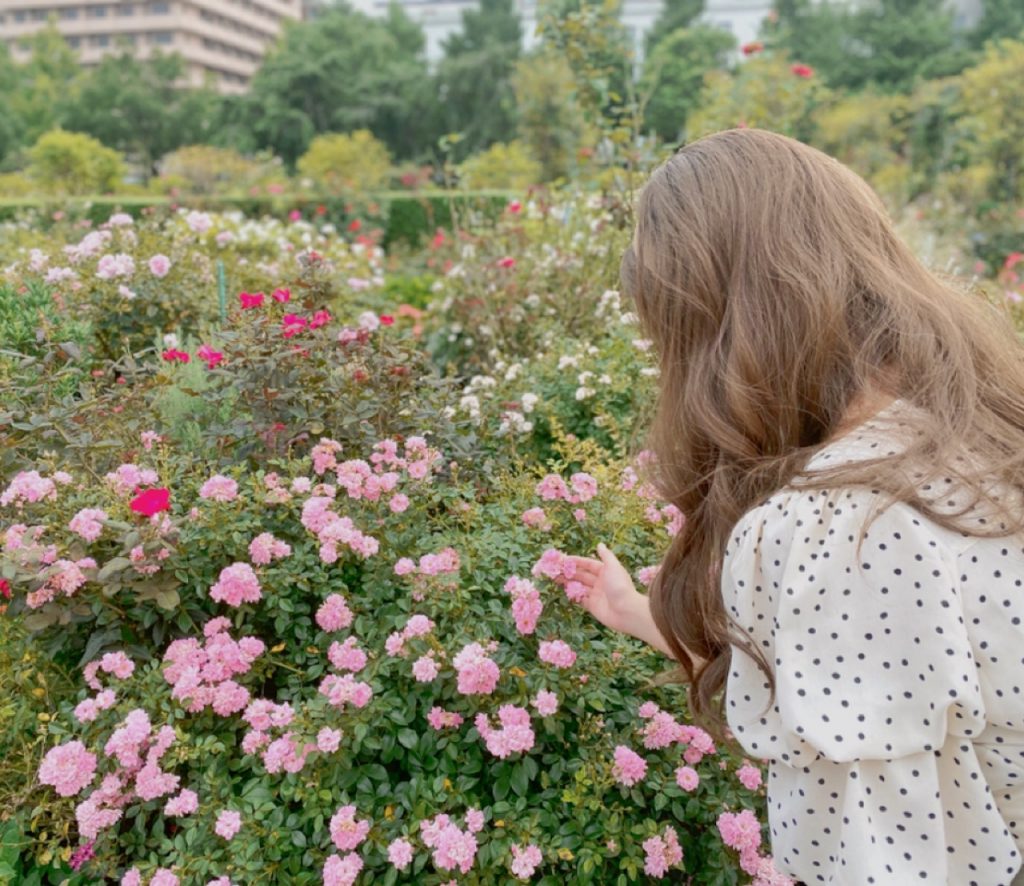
{"type": "Point", "coordinates": [301, 611]}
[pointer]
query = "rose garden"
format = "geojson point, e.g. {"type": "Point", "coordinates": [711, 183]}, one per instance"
{"type": "Point", "coordinates": [291, 480]}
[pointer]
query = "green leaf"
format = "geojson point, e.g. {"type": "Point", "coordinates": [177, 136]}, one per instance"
{"type": "Point", "coordinates": [167, 599]}
{"type": "Point", "coordinates": [520, 780]}
{"type": "Point", "coordinates": [408, 738]}
{"type": "Point", "coordinates": [112, 566]}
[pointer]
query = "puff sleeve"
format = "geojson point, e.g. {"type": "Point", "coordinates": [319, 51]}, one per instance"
{"type": "Point", "coordinates": [873, 777]}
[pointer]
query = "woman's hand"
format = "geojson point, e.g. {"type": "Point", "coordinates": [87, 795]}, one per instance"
{"type": "Point", "coordinates": [613, 599]}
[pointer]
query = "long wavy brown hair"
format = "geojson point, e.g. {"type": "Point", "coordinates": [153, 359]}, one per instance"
{"type": "Point", "coordinates": [776, 292]}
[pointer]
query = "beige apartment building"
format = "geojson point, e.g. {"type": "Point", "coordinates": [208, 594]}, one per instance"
{"type": "Point", "coordinates": [223, 38]}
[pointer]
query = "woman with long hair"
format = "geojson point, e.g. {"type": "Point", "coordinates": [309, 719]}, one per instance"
{"type": "Point", "coordinates": [844, 432]}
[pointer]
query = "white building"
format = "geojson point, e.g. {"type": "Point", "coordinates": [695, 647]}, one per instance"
{"type": "Point", "coordinates": [440, 18]}
{"type": "Point", "coordinates": [742, 18]}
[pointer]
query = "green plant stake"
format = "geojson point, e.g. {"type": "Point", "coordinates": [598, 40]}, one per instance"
{"type": "Point", "coordinates": [222, 297]}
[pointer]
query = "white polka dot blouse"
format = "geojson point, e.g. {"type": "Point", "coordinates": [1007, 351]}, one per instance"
{"type": "Point", "coordinates": [895, 743]}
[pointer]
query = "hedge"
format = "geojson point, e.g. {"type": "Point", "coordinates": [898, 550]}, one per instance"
{"type": "Point", "coordinates": [406, 217]}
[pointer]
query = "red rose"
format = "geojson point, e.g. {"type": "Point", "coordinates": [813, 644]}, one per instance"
{"type": "Point", "coordinates": [152, 501]}
{"type": "Point", "coordinates": [5, 588]}
{"type": "Point", "coordinates": [752, 47]}
{"type": "Point", "coordinates": [804, 71]}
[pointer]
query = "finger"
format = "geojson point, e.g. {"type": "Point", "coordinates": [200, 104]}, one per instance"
{"type": "Point", "coordinates": [587, 564]}
{"type": "Point", "coordinates": [607, 557]}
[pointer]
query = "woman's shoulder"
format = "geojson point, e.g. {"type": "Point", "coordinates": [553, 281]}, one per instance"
{"type": "Point", "coordinates": [842, 506]}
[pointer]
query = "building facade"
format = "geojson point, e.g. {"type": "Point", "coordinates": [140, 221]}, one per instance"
{"type": "Point", "coordinates": [439, 18]}
{"type": "Point", "coordinates": [222, 39]}
{"type": "Point", "coordinates": [742, 18]}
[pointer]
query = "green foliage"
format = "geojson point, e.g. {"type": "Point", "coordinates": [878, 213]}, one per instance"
{"type": "Point", "coordinates": [474, 78]}
{"type": "Point", "coordinates": [673, 76]}
{"type": "Point", "coordinates": [340, 72]}
{"type": "Point", "coordinates": [675, 15]}
{"type": "Point", "coordinates": [341, 162]}
{"type": "Point", "coordinates": [763, 92]}
{"type": "Point", "coordinates": [139, 107]}
{"type": "Point", "coordinates": [992, 118]}
{"type": "Point", "coordinates": [869, 132]}
{"type": "Point", "coordinates": [74, 163]}
{"type": "Point", "coordinates": [204, 169]}
{"type": "Point", "coordinates": [38, 88]}
{"type": "Point", "coordinates": [999, 18]}
{"type": "Point", "coordinates": [888, 43]}
{"type": "Point", "coordinates": [551, 120]}
{"type": "Point", "coordinates": [508, 166]}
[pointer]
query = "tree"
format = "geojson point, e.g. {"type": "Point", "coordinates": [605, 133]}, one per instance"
{"type": "Point", "coordinates": [999, 18]}
{"type": "Point", "coordinates": [475, 76]}
{"type": "Point", "coordinates": [673, 77]}
{"type": "Point", "coordinates": [49, 76]}
{"type": "Point", "coordinates": [10, 126]}
{"type": "Point", "coordinates": [675, 14]}
{"type": "Point", "coordinates": [551, 122]}
{"type": "Point", "coordinates": [888, 43]}
{"type": "Point", "coordinates": [341, 72]}
{"type": "Point", "coordinates": [139, 107]}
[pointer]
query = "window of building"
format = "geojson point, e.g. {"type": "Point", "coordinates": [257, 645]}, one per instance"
{"type": "Point", "coordinates": [19, 16]}
{"type": "Point", "coordinates": [126, 9]}
{"type": "Point", "coordinates": [158, 8]}
{"type": "Point", "coordinates": [69, 12]}
{"type": "Point", "coordinates": [99, 40]}
{"type": "Point", "coordinates": [98, 11]}
{"type": "Point", "coordinates": [161, 37]}
{"type": "Point", "coordinates": [38, 15]}
{"type": "Point", "coordinates": [74, 42]}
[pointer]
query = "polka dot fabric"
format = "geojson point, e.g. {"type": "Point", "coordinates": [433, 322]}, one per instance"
{"type": "Point", "coordinates": [896, 738]}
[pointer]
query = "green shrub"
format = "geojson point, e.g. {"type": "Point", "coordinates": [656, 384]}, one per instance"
{"type": "Point", "coordinates": [353, 162]}
{"type": "Point", "coordinates": [508, 166]}
{"type": "Point", "coordinates": [74, 163]}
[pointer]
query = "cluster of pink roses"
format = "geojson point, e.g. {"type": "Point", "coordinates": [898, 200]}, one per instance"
{"type": "Point", "coordinates": [250, 300]}
{"type": "Point", "coordinates": [237, 584]}
{"type": "Point", "coordinates": [201, 672]}
{"type": "Point", "coordinates": [453, 848]}
{"type": "Point", "coordinates": [219, 488]}
{"type": "Point", "coordinates": [561, 569]}
{"type": "Point", "coordinates": [332, 530]}
{"type": "Point", "coordinates": [116, 663]}
{"type": "Point", "coordinates": [207, 353]}
{"type": "Point", "coordinates": [554, 488]}
{"type": "Point", "coordinates": [478, 674]}
{"type": "Point", "coordinates": [334, 614]}
{"type": "Point", "coordinates": [445, 562]}
{"type": "Point", "coordinates": [515, 733]}
{"type": "Point", "coordinates": [61, 577]}
{"type": "Point", "coordinates": [526, 603]}
{"type": "Point", "coordinates": [28, 487]}
{"type": "Point", "coordinates": [557, 653]}
{"type": "Point", "coordinates": [362, 480]}
{"type": "Point", "coordinates": [661, 851]}
{"type": "Point", "coordinates": [134, 750]}
{"type": "Point", "coordinates": [88, 523]}
{"type": "Point", "coordinates": [742, 831]}
{"type": "Point", "coordinates": [668, 514]}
